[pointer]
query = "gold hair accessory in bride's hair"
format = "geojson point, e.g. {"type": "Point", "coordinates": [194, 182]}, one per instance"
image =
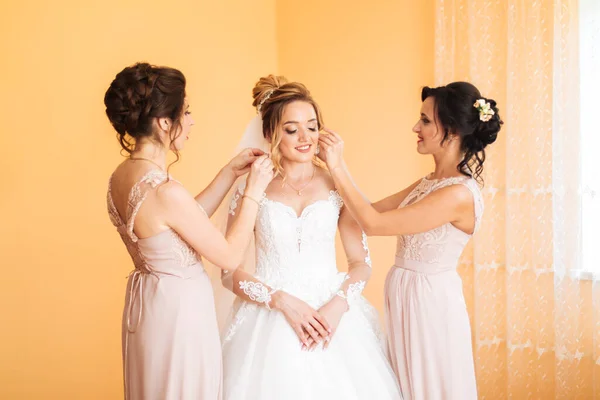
{"type": "Point", "coordinates": [267, 96]}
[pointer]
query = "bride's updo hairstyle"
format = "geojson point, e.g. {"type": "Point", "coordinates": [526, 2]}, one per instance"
{"type": "Point", "coordinates": [271, 95]}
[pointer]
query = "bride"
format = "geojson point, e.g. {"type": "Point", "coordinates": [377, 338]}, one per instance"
{"type": "Point", "coordinates": [300, 329]}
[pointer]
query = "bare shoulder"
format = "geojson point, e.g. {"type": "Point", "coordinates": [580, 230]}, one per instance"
{"type": "Point", "coordinates": [124, 178]}
{"type": "Point", "coordinates": [325, 178]}
{"type": "Point", "coordinates": [457, 195]}
{"type": "Point", "coordinates": [173, 194]}
{"type": "Point", "coordinates": [127, 175]}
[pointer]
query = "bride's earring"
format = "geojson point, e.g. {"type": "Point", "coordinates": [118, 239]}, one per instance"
{"type": "Point", "coordinates": [318, 149]}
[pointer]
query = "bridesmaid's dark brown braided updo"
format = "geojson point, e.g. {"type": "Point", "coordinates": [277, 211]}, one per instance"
{"type": "Point", "coordinates": [140, 93]}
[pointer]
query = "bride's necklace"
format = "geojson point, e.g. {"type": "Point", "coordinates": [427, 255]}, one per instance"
{"type": "Point", "coordinates": [299, 191]}
{"type": "Point", "coordinates": [146, 159]}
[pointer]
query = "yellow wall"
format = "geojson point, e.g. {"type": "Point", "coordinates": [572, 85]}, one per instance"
{"type": "Point", "coordinates": [63, 265]}
{"type": "Point", "coordinates": [365, 63]}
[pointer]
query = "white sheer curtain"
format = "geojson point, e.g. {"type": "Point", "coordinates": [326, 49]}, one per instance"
{"type": "Point", "coordinates": [590, 133]}
{"type": "Point", "coordinates": [534, 310]}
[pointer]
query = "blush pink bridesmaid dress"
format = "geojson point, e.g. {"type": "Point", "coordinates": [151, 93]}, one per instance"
{"type": "Point", "coordinates": [429, 336]}
{"type": "Point", "coordinates": [171, 344]}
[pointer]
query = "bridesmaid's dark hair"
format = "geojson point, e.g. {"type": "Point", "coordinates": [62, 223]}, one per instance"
{"type": "Point", "coordinates": [140, 93]}
{"type": "Point", "coordinates": [454, 106]}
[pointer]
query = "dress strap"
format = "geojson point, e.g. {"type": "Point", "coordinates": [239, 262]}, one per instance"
{"type": "Point", "coordinates": [138, 194]}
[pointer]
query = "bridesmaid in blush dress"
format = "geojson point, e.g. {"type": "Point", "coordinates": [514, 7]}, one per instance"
{"type": "Point", "coordinates": [171, 346]}
{"type": "Point", "coordinates": [429, 337]}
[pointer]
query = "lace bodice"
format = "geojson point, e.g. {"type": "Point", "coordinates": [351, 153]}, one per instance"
{"type": "Point", "coordinates": [286, 241]}
{"type": "Point", "coordinates": [291, 249]}
{"type": "Point", "coordinates": [161, 252]}
{"type": "Point", "coordinates": [296, 254]}
{"type": "Point", "coordinates": [442, 245]}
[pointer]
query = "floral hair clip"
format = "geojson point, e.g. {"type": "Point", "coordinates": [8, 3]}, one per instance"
{"type": "Point", "coordinates": [485, 110]}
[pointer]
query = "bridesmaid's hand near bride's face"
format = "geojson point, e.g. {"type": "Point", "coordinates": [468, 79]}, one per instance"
{"type": "Point", "coordinates": [241, 163]}
{"type": "Point", "coordinates": [261, 174]}
{"type": "Point", "coordinates": [331, 149]}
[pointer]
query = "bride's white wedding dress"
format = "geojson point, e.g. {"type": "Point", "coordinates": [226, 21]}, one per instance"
{"type": "Point", "coordinates": [262, 356]}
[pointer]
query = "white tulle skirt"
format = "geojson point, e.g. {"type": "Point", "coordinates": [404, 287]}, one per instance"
{"type": "Point", "coordinates": [263, 360]}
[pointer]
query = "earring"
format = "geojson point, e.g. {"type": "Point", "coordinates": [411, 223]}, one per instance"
{"type": "Point", "coordinates": [318, 149]}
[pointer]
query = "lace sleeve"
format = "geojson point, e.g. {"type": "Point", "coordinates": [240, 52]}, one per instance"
{"type": "Point", "coordinates": [236, 199]}
{"type": "Point", "coordinates": [239, 280]}
{"type": "Point", "coordinates": [356, 247]}
{"type": "Point", "coordinates": [247, 287]}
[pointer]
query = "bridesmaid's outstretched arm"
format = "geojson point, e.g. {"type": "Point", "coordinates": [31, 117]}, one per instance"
{"type": "Point", "coordinates": [393, 202]}
{"type": "Point", "coordinates": [211, 197]}
{"type": "Point", "coordinates": [447, 205]}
